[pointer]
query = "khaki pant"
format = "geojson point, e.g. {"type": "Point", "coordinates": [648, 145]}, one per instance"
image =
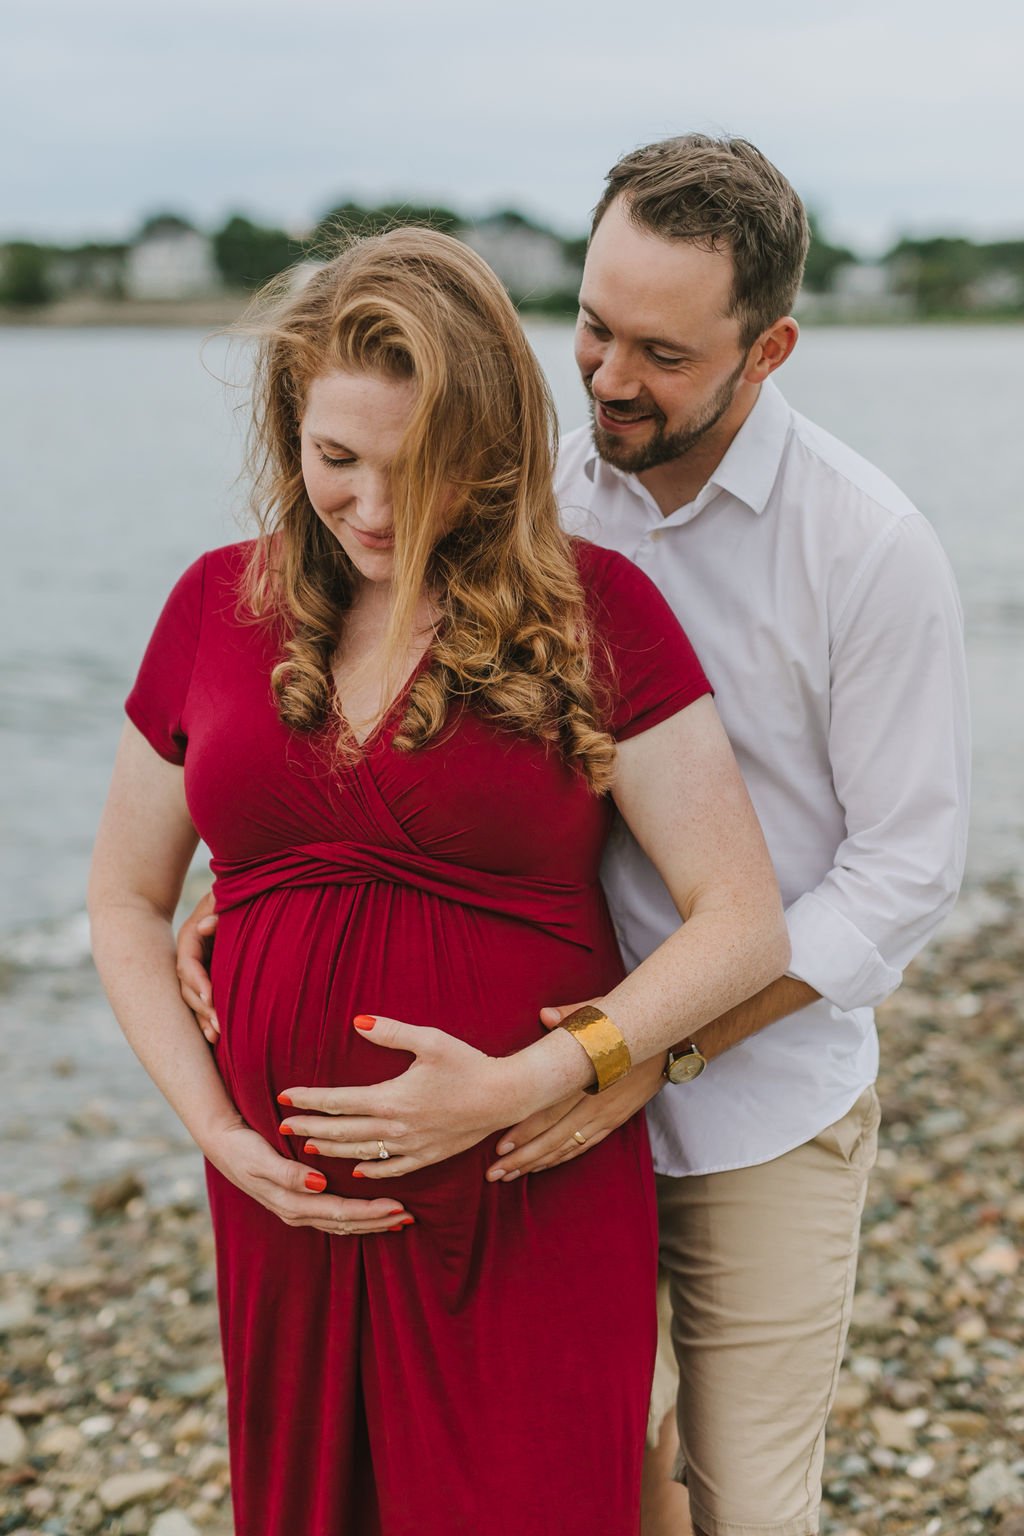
{"type": "Point", "coordinates": [759, 1265]}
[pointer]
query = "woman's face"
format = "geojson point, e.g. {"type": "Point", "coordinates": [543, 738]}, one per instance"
{"type": "Point", "coordinates": [352, 430]}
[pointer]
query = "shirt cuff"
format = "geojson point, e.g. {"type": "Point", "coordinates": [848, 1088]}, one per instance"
{"type": "Point", "coordinates": [831, 955]}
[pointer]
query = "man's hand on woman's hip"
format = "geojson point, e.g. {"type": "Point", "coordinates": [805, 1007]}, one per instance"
{"type": "Point", "coordinates": [195, 945]}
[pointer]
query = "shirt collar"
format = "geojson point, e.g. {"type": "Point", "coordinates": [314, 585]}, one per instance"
{"type": "Point", "coordinates": [750, 465]}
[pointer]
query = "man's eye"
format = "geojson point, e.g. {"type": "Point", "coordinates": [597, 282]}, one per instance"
{"type": "Point", "coordinates": [596, 330]}
{"type": "Point", "coordinates": [666, 362]}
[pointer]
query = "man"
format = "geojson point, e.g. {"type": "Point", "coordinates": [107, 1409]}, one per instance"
{"type": "Point", "coordinates": [827, 619]}
{"type": "Point", "coordinates": [826, 616]}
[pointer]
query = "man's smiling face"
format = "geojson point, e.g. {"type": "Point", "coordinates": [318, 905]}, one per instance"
{"type": "Point", "coordinates": [660, 355]}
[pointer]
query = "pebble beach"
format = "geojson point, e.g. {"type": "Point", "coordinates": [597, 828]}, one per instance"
{"type": "Point", "coordinates": [112, 1400]}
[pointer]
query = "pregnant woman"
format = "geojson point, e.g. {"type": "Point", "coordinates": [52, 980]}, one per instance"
{"type": "Point", "coordinates": [402, 719]}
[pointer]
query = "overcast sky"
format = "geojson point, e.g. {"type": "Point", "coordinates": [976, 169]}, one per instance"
{"type": "Point", "coordinates": [889, 116]}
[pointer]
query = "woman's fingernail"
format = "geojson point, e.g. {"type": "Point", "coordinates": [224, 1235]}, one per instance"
{"type": "Point", "coordinates": [495, 1173]}
{"type": "Point", "coordinates": [315, 1181]}
{"type": "Point", "coordinates": [285, 1130]}
{"type": "Point", "coordinates": [505, 1148]}
{"type": "Point", "coordinates": [204, 997]}
{"type": "Point", "coordinates": [215, 1022]}
{"type": "Point", "coordinates": [357, 1175]}
{"type": "Point", "coordinates": [513, 1175]}
{"type": "Point", "coordinates": [400, 1228]}
{"type": "Point", "coordinates": [312, 1148]}
{"type": "Point", "coordinates": [396, 1212]}
{"type": "Point", "coordinates": [283, 1098]}
{"type": "Point", "coordinates": [364, 1021]}
{"type": "Point", "coordinates": [409, 1221]}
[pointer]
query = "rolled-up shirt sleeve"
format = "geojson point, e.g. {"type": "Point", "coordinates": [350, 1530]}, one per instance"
{"type": "Point", "coordinates": [899, 743]}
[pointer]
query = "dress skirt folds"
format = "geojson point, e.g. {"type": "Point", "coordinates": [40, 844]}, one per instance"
{"type": "Point", "coordinates": [487, 1369]}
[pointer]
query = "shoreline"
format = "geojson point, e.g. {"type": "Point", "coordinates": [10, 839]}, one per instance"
{"type": "Point", "coordinates": [114, 1408]}
{"type": "Point", "coordinates": [222, 310]}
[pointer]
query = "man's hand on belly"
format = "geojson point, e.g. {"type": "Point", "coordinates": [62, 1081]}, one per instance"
{"type": "Point", "coordinates": [554, 1136]}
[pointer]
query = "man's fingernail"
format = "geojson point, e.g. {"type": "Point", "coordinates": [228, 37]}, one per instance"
{"type": "Point", "coordinates": [283, 1098]}
{"type": "Point", "coordinates": [315, 1181]}
{"type": "Point", "coordinates": [285, 1130]}
{"type": "Point", "coordinates": [364, 1021]}
{"type": "Point", "coordinates": [312, 1148]}
{"type": "Point", "coordinates": [513, 1175]}
{"type": "Point", "coordinates": [505, 1148]}
{"type": "Point", "coordinates": [495, 1173]}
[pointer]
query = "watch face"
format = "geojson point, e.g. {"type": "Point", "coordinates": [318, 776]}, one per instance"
{"type": "Point", "coordinates": [683, 1069]}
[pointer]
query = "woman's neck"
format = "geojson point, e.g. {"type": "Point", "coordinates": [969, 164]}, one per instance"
{"type": "Point", "coordinates": [367, 681]}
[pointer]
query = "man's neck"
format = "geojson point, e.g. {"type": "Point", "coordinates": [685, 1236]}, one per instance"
{"type": "Point", "coordinates": [677, 483]}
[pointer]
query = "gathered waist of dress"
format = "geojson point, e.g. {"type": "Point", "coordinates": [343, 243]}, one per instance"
{"type": "Point", "coordinates": [563, 909]}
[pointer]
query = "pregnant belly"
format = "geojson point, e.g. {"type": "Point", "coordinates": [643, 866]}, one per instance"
{"type": "Point", "coordinates": [292, 969]}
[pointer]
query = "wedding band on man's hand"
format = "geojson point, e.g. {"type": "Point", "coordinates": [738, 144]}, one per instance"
{"type": "Point", "coordinates": [382, 1152]}
{"type": "Point", "coordinates": [579, 1136]}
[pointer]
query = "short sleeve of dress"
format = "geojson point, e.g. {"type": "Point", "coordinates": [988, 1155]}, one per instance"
{"type": "Point", "coordinates": [649, 668]}
{"type": "Point", "coordinates": [156, 704]}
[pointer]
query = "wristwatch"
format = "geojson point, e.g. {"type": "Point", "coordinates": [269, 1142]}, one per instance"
{"type": "Point", "coordinates": [683, 1066]}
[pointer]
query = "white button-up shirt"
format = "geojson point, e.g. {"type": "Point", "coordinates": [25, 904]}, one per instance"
{"type": "Point", "coordinates": [826, 616]}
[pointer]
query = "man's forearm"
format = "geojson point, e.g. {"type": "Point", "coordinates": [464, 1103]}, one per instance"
{"type": "Point", "coordinates": [784, 996]}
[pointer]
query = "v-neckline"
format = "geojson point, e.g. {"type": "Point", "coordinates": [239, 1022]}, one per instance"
{"type": "Point", "coordinates": [399, 701]}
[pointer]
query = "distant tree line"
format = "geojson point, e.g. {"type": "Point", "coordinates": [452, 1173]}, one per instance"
{"type": "Point", "coordinates": [939, 275]}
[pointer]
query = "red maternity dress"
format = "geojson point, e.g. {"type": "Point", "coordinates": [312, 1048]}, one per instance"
{"type": "Point", "coordinates": [486, 1371]}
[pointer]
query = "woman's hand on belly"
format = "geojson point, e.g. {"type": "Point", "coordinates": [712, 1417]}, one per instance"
{"type": "Point", "coordinates": [292, 1191]}
{"type": "Point", "coordinates": [451, 1097]}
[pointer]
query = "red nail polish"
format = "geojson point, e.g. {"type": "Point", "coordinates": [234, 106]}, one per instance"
{"type": "Point", "coordinates": [357, 1175]}
{"type": "Point", "coordinates": [396, 1212]}
{"type": "Point", "coordinates": [285, 1130]}
{"type": "Point", "coordinates": [312, 1148]}
{"type": "Point", "coordinates": [315, 1181]}
{"type": "Point", "coordinates": [283, 1098]}
{"type": "Point", "coordinates": [400, 1228]}
{"type": "Point", "coordinates": [364, 1021]}
{"type": "Point", "coordinates": [410, 1221]}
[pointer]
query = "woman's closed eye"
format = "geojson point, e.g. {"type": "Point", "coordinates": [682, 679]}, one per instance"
{"type": "Point", "coordinates": [325, 458]}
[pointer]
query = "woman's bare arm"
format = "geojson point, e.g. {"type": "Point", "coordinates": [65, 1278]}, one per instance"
{"type": "Point", "coordinates": [145, 841]}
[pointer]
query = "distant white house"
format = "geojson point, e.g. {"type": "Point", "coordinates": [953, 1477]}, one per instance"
{"type": "Point", "coordinates": [860, 290]}
{"type": "Point", "coordinates": [529, 261]}
{"type": "Point", "coordinates": [1000, 289]}
{"type": "Point", "coordinates": [171, 260]}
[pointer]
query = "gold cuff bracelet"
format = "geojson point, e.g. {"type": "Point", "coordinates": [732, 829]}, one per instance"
{"type": "Point", "coordinates": [603, 1043]}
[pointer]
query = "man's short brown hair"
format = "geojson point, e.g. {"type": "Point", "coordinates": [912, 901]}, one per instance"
{"type": "Point", "coordinates": [721, 194]}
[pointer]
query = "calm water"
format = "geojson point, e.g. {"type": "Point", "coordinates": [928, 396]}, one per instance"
{"type": "Point", "coordinates": [119, 452]}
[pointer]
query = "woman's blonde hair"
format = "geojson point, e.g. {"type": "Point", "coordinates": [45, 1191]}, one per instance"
{"type": "Point", "coordinates": [475, 518]}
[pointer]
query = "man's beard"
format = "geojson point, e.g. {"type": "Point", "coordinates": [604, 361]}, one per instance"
{"type": "Point", "coordinates": [662, 447]}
